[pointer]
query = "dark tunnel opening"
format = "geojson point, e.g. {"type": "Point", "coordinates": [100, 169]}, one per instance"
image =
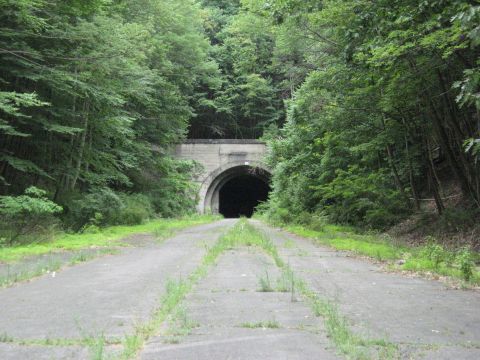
{"type": "Point", "coordinates": [240, 195]}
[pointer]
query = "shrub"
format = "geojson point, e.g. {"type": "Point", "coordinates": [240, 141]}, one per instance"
{"type": "Point", "coordinates": [172, 193]}
{"type": "Point", "coordinates": [313, 221]}
{"type": "Point", "coordinates": [280, 216]}
{"type": "Point", "coordinates": [365, 199]}
{"type": "Point", "coordinates": [318, 222]}
{"type": "Point", "coordinates": [135, 209]}
{"type": "Point", "coordinates": [105, 207]}
{"type": "Point", "coordinates": [26, 214]}
{"type": "Point", "coordinates": [434, 252]}
{"type": "Point", "coordinates": [95, 208]}
{"type": "Point", "coordinates": [466, 263]}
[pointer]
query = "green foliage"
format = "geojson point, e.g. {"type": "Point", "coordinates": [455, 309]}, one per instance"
{"type": "Point", "coordinates": [136, 209]}
{"type": "Point", "coordinates": [357, 198]}
{"type": "Point", "coordinates": [469, 86]}
{"type": "Point", "coordinates": [34, 202]}
{"type": "Point", "coordinates": [431, 258]}
{"type": "Point", "coordinates": [246, 99]}
{"type": "Point", "coordinates": [466, 264]}
{"type": "Point", "coordinates": [24, 214]}
{"type": "Point", "coordinates": [362, 124]}
{"type": "Point", "coordinates": [457, 219]}
{"type": "Point", "coordinates": [173, 194]}
{"type": "Point", "coordinates": [104, 207]}
{"type": "Point", "coordinates": [362, 103]}
{"type": "Point", "coordinates": [95, 208]}
{"type": "Point", "coordinates": [434, 252]}
{"type": "Point", "coordinates": [107, 237]}
{"type": "Point", "coordinates": [93, 94]}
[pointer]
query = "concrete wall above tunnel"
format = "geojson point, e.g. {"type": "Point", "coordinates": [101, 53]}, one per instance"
{"type": "Point", "coordinates": [226, 163]}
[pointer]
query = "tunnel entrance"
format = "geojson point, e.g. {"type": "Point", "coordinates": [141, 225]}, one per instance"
{"type": "Point", "coordinates": [240, 195]}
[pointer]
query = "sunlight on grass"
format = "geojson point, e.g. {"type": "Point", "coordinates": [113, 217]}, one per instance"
{"type": "Point", "coordinates": [342, 238]}
{"type": "Point", "coordinates": [109, 236]}
{"type": "Point", "coordinates": [415, 259]}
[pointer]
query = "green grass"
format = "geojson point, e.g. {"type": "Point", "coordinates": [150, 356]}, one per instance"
{"type": "Point", "coordinates": [23, 272]}
{"type": "Point", "coordinates": [270, 324]}
{"type": "Point", "coordinates": [83, 256]}
{"type": "Point", "coordinates": [242, 234]}
{"type": "Point", "coordinates": [13, 277]}
{"type": "Point", "coordinates": [175, 293]}
{"type": "Point", "coordinates": [286, 281]}
{"type": "Point", "coordinates": [264, 283]}
{"type": "Point", "coordinates": [106, 237]}
{"type": "Point", "coordinates": [343, 238]}
{"type": "Point", "coordinates": [95, 345]}
{"type": "Point", "coordinates": [179, 325]}
{"type": "Point", "coordinates": [416, 259]}
{"type": "Point", "coordinates": [85, 341]}
{"type": "Point", "coordinates": [352, 345]}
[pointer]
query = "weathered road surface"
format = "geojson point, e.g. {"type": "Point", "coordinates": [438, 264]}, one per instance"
{"type": "Point", "coordinates": [427, 320]}
{"type": "Point", "coordinates": [111, 294]}
{"type": "Point", "coordinates": [105, 296]}
{"type": "Point", "coordinates": [232, 318]}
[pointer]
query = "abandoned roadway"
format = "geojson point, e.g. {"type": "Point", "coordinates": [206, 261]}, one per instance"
{"type": "Point", "coordinates": [224, 315]}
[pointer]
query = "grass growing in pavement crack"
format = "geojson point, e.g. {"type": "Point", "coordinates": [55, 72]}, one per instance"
{"type": "Point", "coordinates": [432, 258]}
{"type": "Point", "coordinates": [270, 324]}
{"type": "Point", "coordinates": [95, 344]}
{"type": "Point", "coordinates": [265, 284]}
{"type": "Point", "coordinates": [86, 256]}
{"type": "Point", "coordinates": [14, 276]}
{"type": "Point", "coordinates": [352, 345]}
{"type": "Point", "coordinates": [244, 234]}
{"type": "Point", "coordinates": [180, 325]}
{"type": "Point", "coordinates": [176, 291]}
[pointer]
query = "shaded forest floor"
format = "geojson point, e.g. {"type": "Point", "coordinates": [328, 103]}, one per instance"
{"type": "Point", "coordinates": [458, 226]}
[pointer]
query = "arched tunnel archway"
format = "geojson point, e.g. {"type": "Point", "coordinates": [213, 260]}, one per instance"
{"type": "Point", "coordinates": [241, 195]}
{"type": "Point", "coordinates": [237, 191]}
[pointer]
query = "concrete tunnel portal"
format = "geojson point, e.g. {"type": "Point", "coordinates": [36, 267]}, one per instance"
{"type": "Point", "coordinates": [234, 179]}
{"type": "Point", "coordinates": [239, 192]}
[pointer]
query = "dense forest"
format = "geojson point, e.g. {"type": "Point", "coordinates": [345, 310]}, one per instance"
{"type": "Point", "coordinates": [369, 108]}
{"type": "Point", "coordinates": [384, 112]}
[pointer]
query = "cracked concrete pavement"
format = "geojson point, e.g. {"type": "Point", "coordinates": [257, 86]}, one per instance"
{"type": "Point", "coordinates": [109, 295]}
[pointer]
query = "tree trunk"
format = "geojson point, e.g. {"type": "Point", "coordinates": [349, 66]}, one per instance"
{"type": "Point", "coordinates": [411, 177]}
{"type": "Point", "coordinates": [396, 177]}
{"type": "Point", "coordinates": [434, 182]}
{"type": "Point", "coordinates": [81, 147]}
